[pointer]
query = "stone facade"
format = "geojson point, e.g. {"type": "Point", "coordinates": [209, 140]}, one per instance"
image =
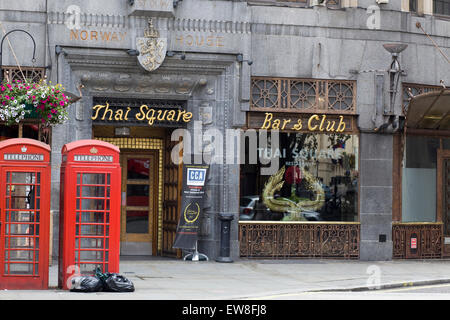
{"type": "Point", "coordinates": [282, 39]}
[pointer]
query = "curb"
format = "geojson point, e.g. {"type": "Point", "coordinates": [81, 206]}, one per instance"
{"type": "Point", "coordinates": [387, 286]}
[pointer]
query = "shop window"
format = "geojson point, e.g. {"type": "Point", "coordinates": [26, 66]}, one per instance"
{"type": "Point", "coordinates": [413, 5]}
{"type": "Point", "coordinates": [315, 179]}
{"type": "Point", "coordinates": [441, 7]}
{"type": "Point", "coordinates": [419, 179]}
{"type": "Point", "coordinates": [25, 130]}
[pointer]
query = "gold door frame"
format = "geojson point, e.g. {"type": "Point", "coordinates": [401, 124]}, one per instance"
{"type": "Point", "coordinates": [146, 144]}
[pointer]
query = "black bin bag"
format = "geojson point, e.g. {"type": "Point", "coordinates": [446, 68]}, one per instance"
{"type": "Point", "coordinates": [117, 283]}
{"type": "Point", "coordinates": [86, 284]}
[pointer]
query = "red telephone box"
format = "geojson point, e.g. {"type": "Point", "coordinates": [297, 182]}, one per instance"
{"type": "Point", "coordinates": [25, 214]}
{"type": "Point", "coordinates": [89, 209]}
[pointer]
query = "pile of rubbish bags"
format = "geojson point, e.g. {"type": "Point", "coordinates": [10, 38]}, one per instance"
{"type": "Point", "coordinates": [108, 282]}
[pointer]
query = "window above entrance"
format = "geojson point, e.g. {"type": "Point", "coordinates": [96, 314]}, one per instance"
{"type": "Point", "coordinates": [303, 95]}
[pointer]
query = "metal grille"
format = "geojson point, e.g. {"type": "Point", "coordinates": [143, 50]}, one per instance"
{"type": "Point", "coordinates": [416, 89]}
{"type": "Point", "coordinates": [299, 240]}
{"type": "Point", "coordinates": [22, 232]}
{"type": "Point", "coordinates": [92, 221]}
{"type": "Point", "coordinates": [429, 240]}
{"type": "Point", "coordinates": [171, 198]}
{"type": "Point", "coordinates": [30, 73]}
{"type": "Point", "coordinates": [134, 143]}
{"type": "Point", "coordinates": [303, 95]}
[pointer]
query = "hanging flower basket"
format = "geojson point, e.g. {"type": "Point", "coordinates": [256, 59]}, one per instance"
{"type": "Point", "coordinates": [29, 100]}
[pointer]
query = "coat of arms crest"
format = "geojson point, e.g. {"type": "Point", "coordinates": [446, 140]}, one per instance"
{"type": "Point", "coordinates": [152, 48]}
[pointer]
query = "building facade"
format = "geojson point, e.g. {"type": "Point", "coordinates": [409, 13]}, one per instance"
{"type": "Point", "coordinates": [312, 75]}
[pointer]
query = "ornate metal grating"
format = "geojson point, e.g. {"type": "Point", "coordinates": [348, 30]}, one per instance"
{"type": "Point", "coordinates": [416, 89]}
{"type": "Point", "coordinates": [14, 73]}
{"type": "Point", "coordinates": [429, 240]}
{"type": "Point", "coordinates": [303, 95]}
{"type": "Point", "coordinates": [299, 240]}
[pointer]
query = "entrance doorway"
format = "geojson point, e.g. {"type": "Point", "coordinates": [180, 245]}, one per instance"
{"type": "Point", "coordinates": [139, 203]}
{"type": "Point", "coordinates": [151, 185]}
{"type": "Point", "coordinates": [443, 198]}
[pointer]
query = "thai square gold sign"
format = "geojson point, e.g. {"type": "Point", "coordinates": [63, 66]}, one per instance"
{"type": "Point", "coordinates": [152, 48]}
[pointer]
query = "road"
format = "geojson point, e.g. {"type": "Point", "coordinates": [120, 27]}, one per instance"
{"type": "Point", "coordinates": [429, 292]}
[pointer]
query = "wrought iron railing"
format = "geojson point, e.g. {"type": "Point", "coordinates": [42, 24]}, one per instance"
{"type": "Point", "coordinates": [428, 243]}
{"type": "Point", "coordinates": [299, 240]}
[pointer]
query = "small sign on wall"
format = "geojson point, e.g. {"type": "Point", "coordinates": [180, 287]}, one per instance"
{"type": "Point", "coordinates": [413, 243]}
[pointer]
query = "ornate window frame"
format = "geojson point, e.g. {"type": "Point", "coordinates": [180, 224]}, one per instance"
{"type": "Point", "coordinates": [303, 95]}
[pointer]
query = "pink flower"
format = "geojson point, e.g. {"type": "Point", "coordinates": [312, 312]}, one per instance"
{"type": "Point", "coordinates": [3, 88]}
{"type": "Point", "coordinates": [7, 97]}
{"type": "Point", "coordinates": [33, 97]}
{"type": "Point", "coordinates": [49, 116]}
{"type": "Point", "coordinates": [53, 111]}
{"type": "Point", "coordinates": [61, 103]}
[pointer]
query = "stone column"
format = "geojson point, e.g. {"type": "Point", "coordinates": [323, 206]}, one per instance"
{"type": "Point", "coordinates": [376, 196]}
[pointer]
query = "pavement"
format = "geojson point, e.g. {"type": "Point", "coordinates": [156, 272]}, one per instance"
{"type": "Point", "coordinates": [170, 279]}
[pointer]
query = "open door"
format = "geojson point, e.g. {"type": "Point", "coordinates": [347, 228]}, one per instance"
{"type": "Point", "coordinates": [139, 203]}
{"type": "Point", "coordinates": [172, 201]}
